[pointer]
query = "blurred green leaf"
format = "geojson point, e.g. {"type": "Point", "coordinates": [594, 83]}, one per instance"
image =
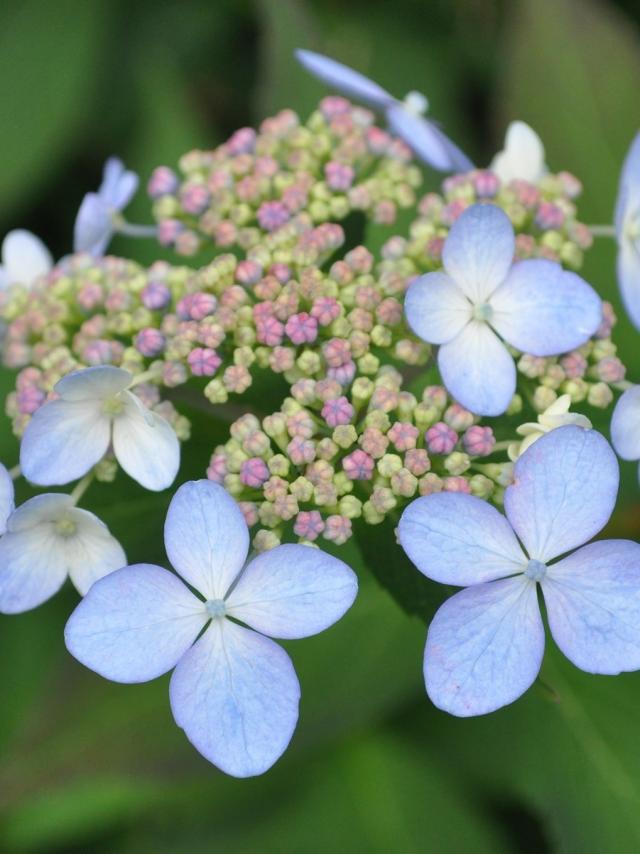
{"type": "Point", "coordinates": [50, 56]}
{"type": "Point", "coordinates": [284, 26]}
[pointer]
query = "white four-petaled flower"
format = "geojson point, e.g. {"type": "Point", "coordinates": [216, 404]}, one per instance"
{"type": "Point", "coordinates": [47, 539]}
{"type": "Point", "coordinates": [554, 416]}
{"type": "Point", "coordinates": [405, 118]}
{"type": "Point", "coordinates": [522, 157]}
{"type": "Point", "coordinates": [24, 258]}
{"type": "Point", "coordinates": [94, 410]}
{"type": "Point", "coordinates": [96, 219]}
{"type": "Point", "coordinates": [485, 644]}
{"type": "Point", "coordinates": [233, 691]}
{"type": "Point", "coordinates": [627, 228]}
{"type": "Point", "coordinates": [534, 305]}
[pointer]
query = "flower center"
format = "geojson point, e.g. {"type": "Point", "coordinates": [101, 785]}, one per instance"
{"type": "Point", "coordinates": [113, 405]}
{"type": "Point", "coordinates": [536, 570]}
{"type": "Point", "coordinates": [632, 228]}
{"type": "Point", "coordinates": [216, 608]}
{"type": "Point", "coordinates": [482, 311]}
{"type": "Point", "coordinates": [65, 526]}
{"type": "Point", "coordinates": [416, 103]}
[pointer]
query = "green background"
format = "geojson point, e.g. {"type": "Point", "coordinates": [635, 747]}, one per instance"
{"type": "Point", "coordinates": [373, 767]}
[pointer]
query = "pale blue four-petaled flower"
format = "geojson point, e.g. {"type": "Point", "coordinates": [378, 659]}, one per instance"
{"type": "Point", "coordinates": [96, 221]}
{"type": "Point", "coordinates": [405, 118]}
{"type": "Point", "coordinates": [627, 228]}
{"type": "Point", "coordinates": [95, 411]}
{"type": "Point", "coordinates": [233, 690]}
{"type": "Point", "coordinates": [533, 305]}
{"type": "Point", "coordinates": [485, 644]}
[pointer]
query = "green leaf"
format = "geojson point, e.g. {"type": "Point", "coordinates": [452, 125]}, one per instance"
{"type": "Point", "coordinates": [50, 58]}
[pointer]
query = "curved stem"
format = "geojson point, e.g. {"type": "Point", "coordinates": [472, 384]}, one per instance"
{"type": "Point", "coordinates": [602, 230]}
{"type": "Point", "coordinates": [15, 472]}
{"type": "Point", "coordinates": [82, 486]}
{"type": "Point", "coordinates": [132, 230]}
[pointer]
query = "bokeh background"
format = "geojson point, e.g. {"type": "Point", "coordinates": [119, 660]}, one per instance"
{"type": "Point", "coordinates": [87, 765]}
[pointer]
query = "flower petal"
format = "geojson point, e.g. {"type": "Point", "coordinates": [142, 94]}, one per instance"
{"type": "Point", "coordinates": [523, 155]}
{"type": "Point", "coordinates": [427, 141]}
{"type": "Point", "coordinates": [293, 591]}
{"type": "Point", "coordinates": [436, 309]}
{"type": "Point", "coordinates": [63, 440]}
{"type": "Point", "coordinates": [135, 624]}
{"type": "Point", "coordinates": [118, 184]}
{"type": "Point", "coordinates": [478, 370]}
{"type": "Point", "coordinates": [92, 552]}
{"type": "Point", "coordinates": [564, 491]}
{"type": "Point", "coordinates": [484, 647]}
{"type": "Point", "coordinates": [235, 694]}
{"type": "Point", "coordinates": [93, 227]}
{"type": "Point", "coordinates": [628, 201]}
{"type": "Point", "coordinates": [478, 251]}
{"type": "Point", "coordinates": [593, 606]}
{"type": "Point", "coordinates": [25, 257]}
{"type": "Point", "coordinates": [145, 445]}
{"type": "Point", "coordinates": [343, 79]}
{"type": "Point", "coordinates": [33, 560]}
{"type": "Point", "coordinates": [206, 537]}
{"type": "Point", "coordinates": [97, 383]}
{"type": "Point", "coordinates": [545, 310]}
{"type": "Point", "coordinates": [7, 503]}
{"type": "Point", "coordinates": [625, 425]}
{"type": "Point", "coordinates": [628, 269]}
{"type": "Point", "coordinates": [459, 539]}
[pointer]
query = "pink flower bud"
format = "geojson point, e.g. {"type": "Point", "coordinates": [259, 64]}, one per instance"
{"type": "Point", "coordinates": [269, 331]}
{"type": "Point", "coordinates": [308, 524]}
{"type": "Point", "coordinates": [272, 215]}
{"type": "Point", "coordinates": [301, 451]}
{"type": "Point", "coordinates": [195, 198]}
{"type": "Point", "coordinates": [478, 441]}
{"type": "Point", "coordinates": [337, 529]}
{"type": "Point", "coordinates": [337, 411]}
{"type": "Point", "coordinates": [325, 310]}
{"type": "Point", "coordinates": [417, 461]}
{"type": "Point", "coordinates": [358, 465]}
{"type": "Point", "coordinates": [302, 328]}
{"type": "Point", "coordinates": [203, 362]}
{"type": "Point", "coordinates": [456, 484]}
{"type": "Point", "coordinates": [155, 295]}
{"type": "Point", "coordinates": [163, 182]}
{"type": "Point", "coordinates": [339, 176]}
{"type": "Point", "coordinates": [404, 436]}
{"type": "Point", "coordinates": [254, 472]}
{"type": "Point", "coordinates": [150, 342]}
{"type": "Point", "coordinates": [441, 439]}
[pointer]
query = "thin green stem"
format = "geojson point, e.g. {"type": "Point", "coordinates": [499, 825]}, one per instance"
{"type": "Point", "coordinates": [82, 486]}
{"type": "Point", "coordinates": [146, 376]}
{"type": "Point", "coordinates": [602, 230]}
{"type": "Point", "coordinates": [15, 472]}
{"type": "Point", "coordinates": [132, 230]}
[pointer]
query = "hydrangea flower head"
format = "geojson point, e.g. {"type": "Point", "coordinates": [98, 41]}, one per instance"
{"type": "Point", "coordinates": [24, 258]}
{"type": "Point", "coordinates": [627, 227]}
{"type": "Point", "coordinates": [522, 157]}
{"type": "Point", "coordinates": [6, 498]}
{"type": "Point", "coordinates": [95, 223]}
{"type": "Point", "coordinates": [533, 305]}
{"type": "Point", "coordinates": [485, 644]}
{"type": "Point", "coordinates": [404, 117]}
{"type": "Point", "coordinates": [94, 410]}
{"type": "Point", "coordinates": [47, 539]}
{"type": "Point", "coordinates": [233, 690]}
{"type": "Point", "coordinates": [625, 425]}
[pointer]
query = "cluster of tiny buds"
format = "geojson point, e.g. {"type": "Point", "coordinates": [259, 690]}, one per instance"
{"type": "Point", "coordinates": [326, 457]}
{"type": "Point", "coordinates": [259, 181]}
{"type": "Point", "coordinates": [543, 216]}
{"type": "Point", "coordinates": [219, 323]}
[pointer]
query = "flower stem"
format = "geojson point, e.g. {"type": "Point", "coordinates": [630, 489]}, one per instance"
{"type": "Point", "coordinates": [602, 230]}
{"type": "Point", "coordinates": [82, 486]}
{"type": "Point", "coordinates": [132, 230]}
{"type": "Point", "coordinates": [146, 376]}
{"type": "Point", "coordinates": [15, 472]}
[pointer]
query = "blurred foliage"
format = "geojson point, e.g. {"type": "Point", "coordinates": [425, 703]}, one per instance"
{"type": "Point", "coordinates": [88, 765]}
